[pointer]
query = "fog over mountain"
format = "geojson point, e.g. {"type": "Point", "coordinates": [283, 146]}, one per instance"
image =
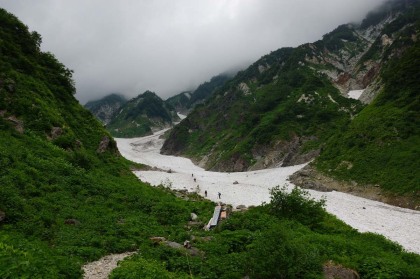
{"type": "Point", "coordinates": [168, 46]}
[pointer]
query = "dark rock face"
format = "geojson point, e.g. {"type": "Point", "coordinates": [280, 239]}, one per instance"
{"type": "Point", "coordinates": [106, 108]}
{"type": "Point", "coordinates": [333, 271]}
{"type": "Point", "coordinates": [283, 153]}
{"type": "Point", "coordinates": [55, 132]}
{"type": "Point", "coordinates": [103, 145]}
{"type": "Point", "coordinates": [18, 124]}
{"type": "Point", "coordinates": [306, 178]}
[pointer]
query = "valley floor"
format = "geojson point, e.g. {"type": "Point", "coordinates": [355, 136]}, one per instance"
{"type": "Point", "coordinates": [252, 188]}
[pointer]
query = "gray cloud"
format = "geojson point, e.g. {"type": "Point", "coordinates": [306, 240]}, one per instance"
{"type": "Point", "coordinates": [168, 46]}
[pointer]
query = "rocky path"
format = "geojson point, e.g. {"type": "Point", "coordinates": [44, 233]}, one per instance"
{"type": "Point", "coordinates": [101, 268]}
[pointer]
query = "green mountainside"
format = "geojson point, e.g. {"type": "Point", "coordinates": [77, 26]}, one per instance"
{"type": "Point", "coordinates": [382, 143]}
{"type": "Point", "coordinates": [277, 112]}
{"type": "Point", "coordinates": [290, 105]}
{"type": "Point", "coordinates": [185, 101]}
{"type": "Point", "coordinates": [140, 115]}
{"type": "Point", "coordinates": [105, 108]}
{"type": "Point", "coordinates": [67, 198]}
{"type": "Point", "coordinates": [147, 112]}
{"type": "Point", "coordinates": [180, 101]}
{"type": "Point", "coordinates": [66, 195]}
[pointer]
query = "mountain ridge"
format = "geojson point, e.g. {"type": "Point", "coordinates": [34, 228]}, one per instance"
{"type": "Point", "coordinates": [141, 115]}
{"type": "Point", "coordinates": [286, 106]}
{"type": "Point", "coordinates": [105, 108]}
{"type": "Point", "coordinates": [187, 100]}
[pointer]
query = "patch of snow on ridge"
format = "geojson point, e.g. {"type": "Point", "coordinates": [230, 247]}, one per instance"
{"type": "Point", "coordinates": [355, 94]}
{"type": "Point", "coordinates": [181, 116]}
{"type": "Point", "coordinates": [252, 188]}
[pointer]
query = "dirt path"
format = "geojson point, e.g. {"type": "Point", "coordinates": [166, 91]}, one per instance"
{"type": "Point", "coordinates": [101, 268]}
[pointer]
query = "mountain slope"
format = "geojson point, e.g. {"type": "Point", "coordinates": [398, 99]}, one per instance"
{"type": "Point", "coordinates": [278, 111]}
{"type": "Point", "coordinates": [287, 107]}
{"type": "Point", "coordinates": [180, 101]}
{"type": "Point", "coordinates": [140, 115]}
{"type": "Point", "coordinates": [66, 196]}
{"type": "Point", "coordinates": [185, 101]}
{"type": "Point", "coordinates": [381, 145]}
{"type": "Point", "coordinates": [105, 108]}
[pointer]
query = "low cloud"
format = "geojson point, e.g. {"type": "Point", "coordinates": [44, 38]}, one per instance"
{"type": "Point", "coordinates": [168, 46]}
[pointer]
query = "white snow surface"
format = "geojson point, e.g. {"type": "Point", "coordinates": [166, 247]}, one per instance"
{"type": "Point", "coordinates": [355, 94]}
{"type": "Point", "coordinates": [398, 224]}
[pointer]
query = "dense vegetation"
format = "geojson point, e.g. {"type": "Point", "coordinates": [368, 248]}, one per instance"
{"type": "Point", "coordinates": [64, 200]}
{"type": "Point", "coordinates": [270, 242]}
{"type": "Point", "coordinates": [67, 197]}
{"type": "Point", "coordinates": [381, 145]}
{"type": "Point", "coordinates": [140, 115]}
{"type": "Point", "coordinates": [277, 99]}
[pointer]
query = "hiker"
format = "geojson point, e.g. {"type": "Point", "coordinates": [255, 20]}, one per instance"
{"type": "Point", "coordinates": [195, 180]}
{"type": "Point", "coordinates": [219, 194]}
{"type": "Point", "coordinates": [205, 193]}
{"type": "Point", "coordinates": [192, 175]}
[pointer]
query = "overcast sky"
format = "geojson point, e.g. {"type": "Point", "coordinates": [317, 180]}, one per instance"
{"type": "Point", "coordinates": [168, 46]}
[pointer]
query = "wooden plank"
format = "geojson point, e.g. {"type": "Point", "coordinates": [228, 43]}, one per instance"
{"type": "Point", "coordinates": [216, 214]}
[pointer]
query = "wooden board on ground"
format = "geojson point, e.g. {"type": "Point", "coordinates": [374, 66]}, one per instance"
{"type": "Point", "coordinates": [216, 215]}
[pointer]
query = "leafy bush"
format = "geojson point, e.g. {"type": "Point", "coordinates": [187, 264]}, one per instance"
{"type": "Point", "coordinates": [280, 253]}
{"type": "Point", "coordinates": [296, 205]}
{"type": "Point", "coordinates": [143, 268]}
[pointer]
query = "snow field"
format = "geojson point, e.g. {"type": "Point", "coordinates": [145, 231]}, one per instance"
{"type": "Point", "coordinates": [252, 188]}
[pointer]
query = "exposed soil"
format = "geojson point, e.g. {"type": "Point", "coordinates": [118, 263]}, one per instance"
{"type": "Point", "coordinates": [310, 178]}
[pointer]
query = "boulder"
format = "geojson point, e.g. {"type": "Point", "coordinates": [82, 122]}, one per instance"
{"type": "Point", "coordinates": [235, 182]}
{"type": "Point", "coordinates": [241, 206]}
{"type": "Point", "coordinates": [187, 244]}
{"type": "Point", "coordinates": [194, 217]}
{"type": "Point", "coordinates": [174, 245]}
{"type": "Point", "coordinates": [56, 132]}
{"type": "Point", "coordinates": [103, 145]}
{"type": "Point", "coordinates": [18, 124]}
{"type": "Point", "coordinates": [336, 271]}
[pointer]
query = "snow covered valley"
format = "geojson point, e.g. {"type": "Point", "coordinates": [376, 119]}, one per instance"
{"type": "Point", "coordinates": [252, 188]}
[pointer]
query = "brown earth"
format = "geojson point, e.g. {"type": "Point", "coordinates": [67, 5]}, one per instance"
{"type": "Point", "coordinates": [310, 178]}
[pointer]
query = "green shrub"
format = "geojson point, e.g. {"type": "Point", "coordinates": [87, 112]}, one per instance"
{"type": "Point", "coordinates": [281, 253]}
{"type": "Point", "coordinates": [170, 213]}
{"type": "Point", "coordinates": [296, 205]}
{"type": "Point", "coordinates": [144, 268]}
